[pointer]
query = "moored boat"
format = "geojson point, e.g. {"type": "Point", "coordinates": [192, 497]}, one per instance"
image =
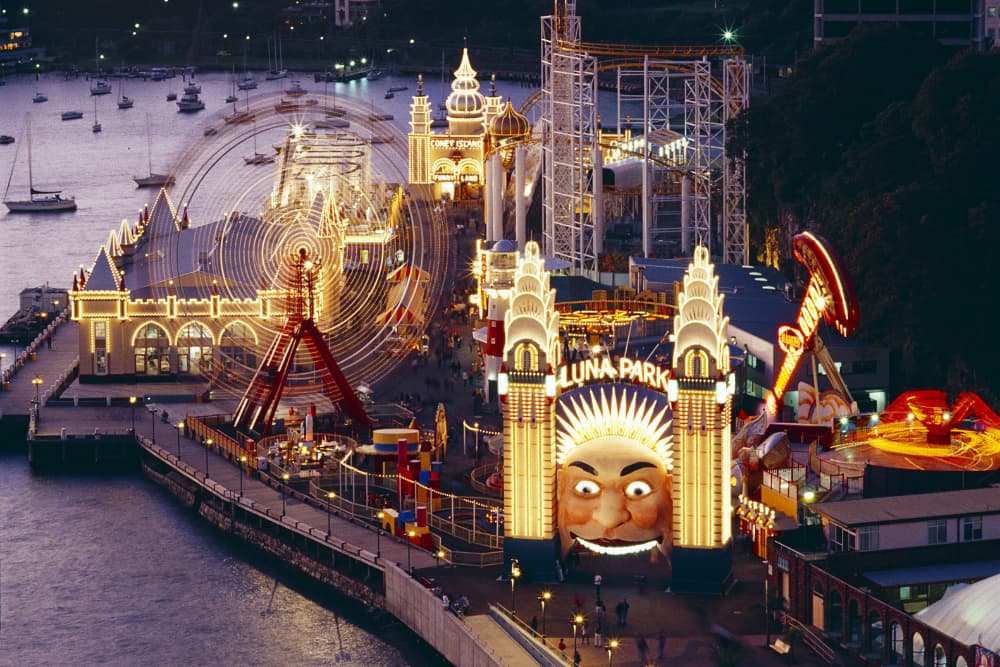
{"type": "Point", "coordinates": [189, 103]}
{"type": "Point", "coordinates": [6, 139]}
{"type": "Point", "coordinates": [72, 115]}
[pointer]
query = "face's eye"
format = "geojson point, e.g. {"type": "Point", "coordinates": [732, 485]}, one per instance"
{"type": "Point", "coordinates": [587, 488]}
{"type": "Point", "coordinates": [637, 489]}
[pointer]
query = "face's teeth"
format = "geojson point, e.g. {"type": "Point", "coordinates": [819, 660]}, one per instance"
{"type": "Point", "coordinates": [621, 550]}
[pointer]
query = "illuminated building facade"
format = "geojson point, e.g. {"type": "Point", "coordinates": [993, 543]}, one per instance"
{"type": "Point", "coordinates": [453, 160]}
{"type": "Point", "coordinates": [701, 395]}
{"type": "Point", "coordinates": [527, 387]}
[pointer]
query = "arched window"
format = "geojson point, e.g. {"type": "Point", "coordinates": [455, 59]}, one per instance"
{"type": "Point", "coordinates": [853, 622]}
{"type": "Point", "coordinates": [151, 347]}
{"type": "Point", "coordinates": [875, 639]}
{"type": "Point", "coordinates": [940, 657]}
{"type": "Point", "coordinates": [696, 364]}
{"type": "Point", "coordinates": [194, 348]}
{"type": "Point", "coordinates": [896, 656]}
{"type": "Point", "coordinates": [238, 346]}
{"type": "Point", "coordinates": [835, 622]}
{"type": "Point", "coordinates": [917, 653]}
{"type": "Point", "coordinates": [526, 358]}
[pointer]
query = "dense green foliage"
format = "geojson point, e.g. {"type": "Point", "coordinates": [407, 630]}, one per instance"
{"type": "Point", "coordinates": [886, 147]}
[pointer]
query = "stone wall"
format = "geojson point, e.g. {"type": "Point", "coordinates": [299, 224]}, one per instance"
{"type": "Point", "coordinates": [409, 601]}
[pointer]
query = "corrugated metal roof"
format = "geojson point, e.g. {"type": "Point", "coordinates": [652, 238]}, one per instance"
{"type": "Point", "coordinates": [894, 509]}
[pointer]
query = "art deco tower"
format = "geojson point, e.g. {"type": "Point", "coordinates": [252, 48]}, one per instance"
{"type": "Point", "coordinates": [527, 386]}
{"type": "Point", "coordinates": [701, 395]}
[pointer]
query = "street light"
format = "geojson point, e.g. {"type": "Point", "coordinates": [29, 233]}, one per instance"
{"type": "Point", "coordinates": [329, 499]}
{"type": "Point", "coordinates": [438, 556]}
{"type": "Point", "coordinates": [515, 572]}
{"type": "Point", "coordinates": [612, 645]}
{"type": "Point", "coordinates": [284, 478]}
{"type": "Point", "coordinates": [378, 534]}
{"type": "Point", "coordinates": [180, 427]}
{"type": "Point", "coordinates": [131, 401]}
{"type": "Point", "coordinates": [152, 419]}
{"type": "Point", "coordinates": [577, 620]}
{"type": "Point", "coordinates": [37, 381]}
{"type": "Point", "coordinates": [409, 546]}
{"type": "Point", "coordinates": [208, 444]}
{"type": "Point", "coordinates": [243, 462]}
{"type": "Point", "coordinates": [543, 598]}
{"type": "Point", "coordinates": [767, 607]}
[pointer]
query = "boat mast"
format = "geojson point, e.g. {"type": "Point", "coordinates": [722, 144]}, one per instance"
{"type": "Point", "coordinates": [149, 145]}
{"type": "Point", "coordinates": [13, 164]}
{"type": "Point", "coordinates": [31, 176]}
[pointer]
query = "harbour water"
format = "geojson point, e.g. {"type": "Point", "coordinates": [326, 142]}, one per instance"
{"type": "Point", "coordinates": [111, 570]}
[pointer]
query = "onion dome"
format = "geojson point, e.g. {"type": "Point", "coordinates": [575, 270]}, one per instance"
{"type": "Point", "coordinates": [509, 125]}
{"type": "Point", "coordinates": [465, 100]}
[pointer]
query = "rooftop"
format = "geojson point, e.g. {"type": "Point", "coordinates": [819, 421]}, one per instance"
{"type": "Point", "coordinates": [895, 509]}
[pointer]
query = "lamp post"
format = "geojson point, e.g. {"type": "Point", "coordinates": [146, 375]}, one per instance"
{"type": "Point", "coordinates": [131, 401]}
{"type": "Point", "coordinates": [438, 555]}
{"type": "Point", "coordinates": [409, 546]}
{"type": "Point", "coordinates": [329, 510]}
{"type": "Point", "coordinates": [208, 444]}
{"type": "Point", "coordinates": [37, 381]}
{"type": "Point", "coordinates": [378, 534]}
{"type": "Point", "coordinates": [243, 463]}
{"type": "Point", "coordinates": [515, 572]}
{"type": "Point", "coordinates": [3, 355]}
{"type": "Point", "coordinates": [767, 607]}
{"type": "Point", "coordinates": [543, 598]}
{"type": "Point", "coordinates": [180, 427]}
{"type": "Point", "coordinates": [612, 645]}
{"type": "Point", "coordinates": [152, 420]}
{"type": "Point", "coordinates": [577, 620]}
{"type": "Point", "coordinates": [284, 480]}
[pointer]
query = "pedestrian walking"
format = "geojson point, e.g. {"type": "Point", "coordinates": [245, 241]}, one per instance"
{"type": "Point", "coordinates": [597, 585]}
{"type": "Point", "coordinates": [643, 649]}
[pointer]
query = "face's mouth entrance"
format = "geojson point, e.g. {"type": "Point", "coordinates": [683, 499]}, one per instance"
{"type": "Point", "coordinates": [617, 547]}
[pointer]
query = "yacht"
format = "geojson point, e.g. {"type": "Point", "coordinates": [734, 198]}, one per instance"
{"type": "Point", "coordinates": [189, 103]}
{"type": "Point", "coordinates": [39, 201]}
{"type": "Point", "coordinates": [125, 102]}
{"type": "Point", "coordinates": [72, 115]}
{"type": "Point", "coordinates": [100, 88]}
{"type": "Point", "coordinates": [247, 82]}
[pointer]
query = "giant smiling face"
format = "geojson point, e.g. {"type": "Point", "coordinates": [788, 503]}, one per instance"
{"type": "Point", "coordinates": [614, 498]}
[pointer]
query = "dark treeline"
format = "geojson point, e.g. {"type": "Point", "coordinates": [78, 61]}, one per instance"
{"type": "Point", "coordinates": [885, 144]}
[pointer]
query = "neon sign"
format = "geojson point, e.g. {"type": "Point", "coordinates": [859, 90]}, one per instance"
{"type": "Point", "coordinates": [601, 368]}
{"type": "Point", "coordinates": [829, 295]}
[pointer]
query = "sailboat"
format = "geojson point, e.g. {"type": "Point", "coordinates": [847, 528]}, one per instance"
{"type": "Point", "coordinates": [258, 158]}
{"type": "Point", "coordinates": [125, 102]}
{"type": "Point", "coordinates": [232, 95]}
{"type": "Point", "coordinates": [98, 87]}
{"type": "Point", "coordinates": [247, 82]}
{"type": "Point", "coordinates": [96, 127]}
{"type": "Point", "coordinates": [278, 70]}
{"type": "Point", "coordinates": [41, 201]}
{"type": "Point", "coordinates": [238, 116]}
{"type": "Point", "coordinates": [153, 180]}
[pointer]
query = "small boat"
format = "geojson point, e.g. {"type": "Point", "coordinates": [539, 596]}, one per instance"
{"type": "Point", "coordinates": [192, 89]}
{"type": "Point", "coordinates": [40, 201]}
{"type": "Point", "coordinates": [331, 124]}
{"type": "Point", "coordinates": [389, 95]}
{"type": "Point", "coordinates": [72, 115]}
{"type": "Point", "coordinates": [311, 102]}
{"type": "Point", "coordinates": [247, 82]}
{"type": "Point", "coordinates": [100, 88]}
{"type": "Point", "coordinates": [335, 112]}
{"type": "Point", "coordinates": [397, 89]}
{"type": "Point", "coordinates": [190, 103]}
{"type": "Point", "coordinates": [373, 116]}
{"type": "Point", "coordinates": [210, 132]}
{"type": "Point", "coordinates": [125, 102]}
{"type": "Point", "coordinates": [375, 75]}
{"type": "Point", "coordinates": [153, 179]}
{"type": "Point", "coordinates": [238, 117]}
{"type": "Point", "coordinates": [295, 89]}
{"type": "Point", "coordinates": [260, 158]}
{"type": "Point", "coordinates": [96, 127]}
{"type": "Point", "coordinates": [6, 139]}
{"type": "Point", "coordinates": [383, 139]}
{"type": "Point", "coordinates": [284, 106]}
{"type": "Point", "coordinates": [171, 97]}
{"type": "Point", "coordinates": [39, 98]}
{"type": "Point", "coordinates": [231, 98]}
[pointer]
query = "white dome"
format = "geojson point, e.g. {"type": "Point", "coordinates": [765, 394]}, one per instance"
{"type": "Point", "coordinates": [465, 100]}
{"type": "Point", "coordinates": [969, 614]}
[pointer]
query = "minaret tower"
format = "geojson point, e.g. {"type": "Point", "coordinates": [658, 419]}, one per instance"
{"type": "Point", "coordinates": [527, 387]}
{"type": "Point", "coordinates": [700, 392]}
{"type": "Point", "coordinates": [465, 104]}
{"type": "Point", "coordinates": [420, 131]}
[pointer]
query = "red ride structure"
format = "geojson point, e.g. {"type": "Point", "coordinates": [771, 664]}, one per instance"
{"type": "Point", "coordinates": [255, 412]}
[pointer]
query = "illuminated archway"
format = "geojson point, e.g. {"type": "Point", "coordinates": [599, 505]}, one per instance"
{"type": "Point", "coordinates": [194, 348]}
{"type": "Point", "coordinates": [151, 350]}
